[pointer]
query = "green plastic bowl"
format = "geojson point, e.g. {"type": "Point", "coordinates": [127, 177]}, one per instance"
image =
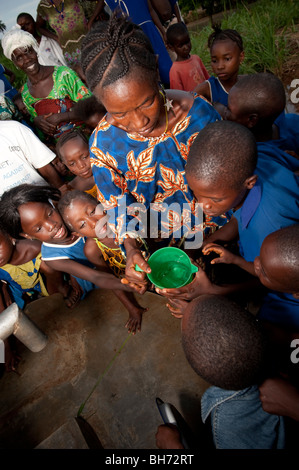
{"type": "Point", "coordinates": [171, 268]}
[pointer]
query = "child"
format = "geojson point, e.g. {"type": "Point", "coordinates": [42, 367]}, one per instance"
{"type": "Point", "coordinates": [73, 150]}
{"type": "Point", "coordinates": [22, 269]}
{"type": "Point", "coordinates": [227, 54]}
{"type": "Point", "coordinates": [258, 101]}
{"type": "Point", "coordinates": [227, 347]}
{"type": "Point", "coordinates": [187, 71]}
{"type": "Point", "coordinates": [82, 215]}
{"type": "Point", "coordinates": [224, 173]}
{"type": "Point", "coordinates": [29, 212]}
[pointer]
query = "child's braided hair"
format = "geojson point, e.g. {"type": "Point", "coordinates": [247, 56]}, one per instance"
{"type": "Point", "coordinates": [224, 34]}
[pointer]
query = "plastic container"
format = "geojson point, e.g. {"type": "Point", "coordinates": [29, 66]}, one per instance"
{"type": "Point", "coordinates": [171, 268]}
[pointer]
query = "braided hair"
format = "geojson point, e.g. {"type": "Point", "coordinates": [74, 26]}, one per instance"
{"type": "Point", "coordinates": [112, 49]}
{"type": "Point", "coordinates": [224, 34]}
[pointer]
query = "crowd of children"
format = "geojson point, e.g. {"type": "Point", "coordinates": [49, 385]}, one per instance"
{"type": "Point", "coordinates": [222, 161]}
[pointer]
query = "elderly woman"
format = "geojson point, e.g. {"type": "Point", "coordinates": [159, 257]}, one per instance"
{"type": "Point", "coordinates": [50, 91]}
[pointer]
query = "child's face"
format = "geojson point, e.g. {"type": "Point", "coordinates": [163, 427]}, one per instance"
{"type": "Point", "coordinates": [87, 218]}
{"type": "Point", "coordinates": [75, 155]}
{"type": "Point", "coordinates": [270, 270]}
{"type": "Point", "coordinates": [182, 46]}
{"type": "Point", "coordinates": [42, 222]}
{"type": "Point", "coordinates": [6, 249]}
{"type": "Point", "coordinates": [225, 59]}
{"type": "Point", "coordinates": [21, 106]}
{"type": "Point", "coordinates": [133, 105]}
{"type": "Point", "coordinates": [215, 199]}
{"type": "Point", "coordinates": [60, 166]}
{"type": "Point", "coordinates": [27, 24]}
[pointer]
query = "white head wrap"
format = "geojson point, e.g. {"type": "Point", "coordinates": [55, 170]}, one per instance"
{"type": "Point", "coordinates": [16, 38]}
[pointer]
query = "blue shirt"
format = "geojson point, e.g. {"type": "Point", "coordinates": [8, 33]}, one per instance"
{"type": "Point", "coordinates": [217, 91]}
{"type": "Point", "coordinates": [273, 203]}
{"type": "Point", "coordinates": [5, 86]}
{"type": "Point", "coordinates": [288, 125]}
{"type": "Point", "coordinates": [74, 251]}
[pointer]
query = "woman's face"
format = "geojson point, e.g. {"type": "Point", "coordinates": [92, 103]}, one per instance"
{"type": "Point", "coordinates": [133, 104]}
{"type": "Point", "coordinates": [25, 58]}
{"type": "Point", "coordinates": [75, 155]}
{"type": "Point", "coordinates": [42, 222]}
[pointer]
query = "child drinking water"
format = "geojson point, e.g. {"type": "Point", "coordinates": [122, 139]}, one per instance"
{"type": "Point", "coordinates": [28, 211]}
{"type": "Point", "coordinates": [187, 71]}
{"type": "Point", "coordinates": [227, 54]}
{"type": "Point", "coordinates": [86, 218]}
{"type": "Point", "coordinates": [72, 148]}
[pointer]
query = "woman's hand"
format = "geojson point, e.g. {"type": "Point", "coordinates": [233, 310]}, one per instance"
{"type": "Point", "coordinates": [136, 279]}
{"type": "Point", "coordinates": [225, 256]}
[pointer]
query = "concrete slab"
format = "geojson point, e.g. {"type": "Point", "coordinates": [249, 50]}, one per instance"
{"type": "Point", "coordinates": [83, 353]}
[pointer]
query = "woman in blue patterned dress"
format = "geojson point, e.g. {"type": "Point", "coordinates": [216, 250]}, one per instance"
{"type": "Point", "coordinates": [140, 147]}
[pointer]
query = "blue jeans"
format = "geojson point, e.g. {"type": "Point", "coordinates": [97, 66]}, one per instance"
{"type": "Point", "coordinates": [238, 420]}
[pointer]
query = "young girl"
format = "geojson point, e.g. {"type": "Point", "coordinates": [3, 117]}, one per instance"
{"type": "Point", "coordinates": [24, 272]}
{"type": "Point", "coordinates": [227, 54]}
{"type": "Point", "coordinates": [86, 218]}
{"type": "Point", "coordinates": [29, 212]}
{"type": "Point", "coordinates": [72, 148]}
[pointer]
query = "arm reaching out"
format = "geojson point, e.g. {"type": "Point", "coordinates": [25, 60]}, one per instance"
{"type": "Point", "coordinates": [225, 256]}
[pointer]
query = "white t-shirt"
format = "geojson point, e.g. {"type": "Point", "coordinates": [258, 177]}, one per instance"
{"type": "Point", "coordinates": [50, 52]}
{"type": "Point", "coordinates": [21, 153]}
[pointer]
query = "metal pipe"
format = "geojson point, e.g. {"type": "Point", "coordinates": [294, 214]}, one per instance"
{"type": "Point", "coordinates": [13, 321]}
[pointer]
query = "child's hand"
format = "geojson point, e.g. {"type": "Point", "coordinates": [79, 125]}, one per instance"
{"type": "Point", "coordinates": [168, 437]}
{"type": "Point", "coordinates": [199, 286]}
{"type": "Point", "coordinates": [177, 307]}
{"type": "Point", "coordinates": [225, 256]}
{"type": "Point", "coordinates": [279, 397]}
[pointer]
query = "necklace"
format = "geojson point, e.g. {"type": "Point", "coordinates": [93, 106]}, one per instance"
{"type": "Point", "coordinates": [168, 106]}
{"type": "Point", "coordinates": [61, 15]}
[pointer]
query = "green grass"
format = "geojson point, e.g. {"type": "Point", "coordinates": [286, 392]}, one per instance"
{"type": "Point", "coordinates": [265, 29]}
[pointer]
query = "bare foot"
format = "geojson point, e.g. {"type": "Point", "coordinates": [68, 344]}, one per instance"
{"type": "Point", "coordinates": [135, 318]}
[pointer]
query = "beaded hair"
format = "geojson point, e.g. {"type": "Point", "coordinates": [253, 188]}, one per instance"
{"type": "Point", "coordinates": [112, 49]}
